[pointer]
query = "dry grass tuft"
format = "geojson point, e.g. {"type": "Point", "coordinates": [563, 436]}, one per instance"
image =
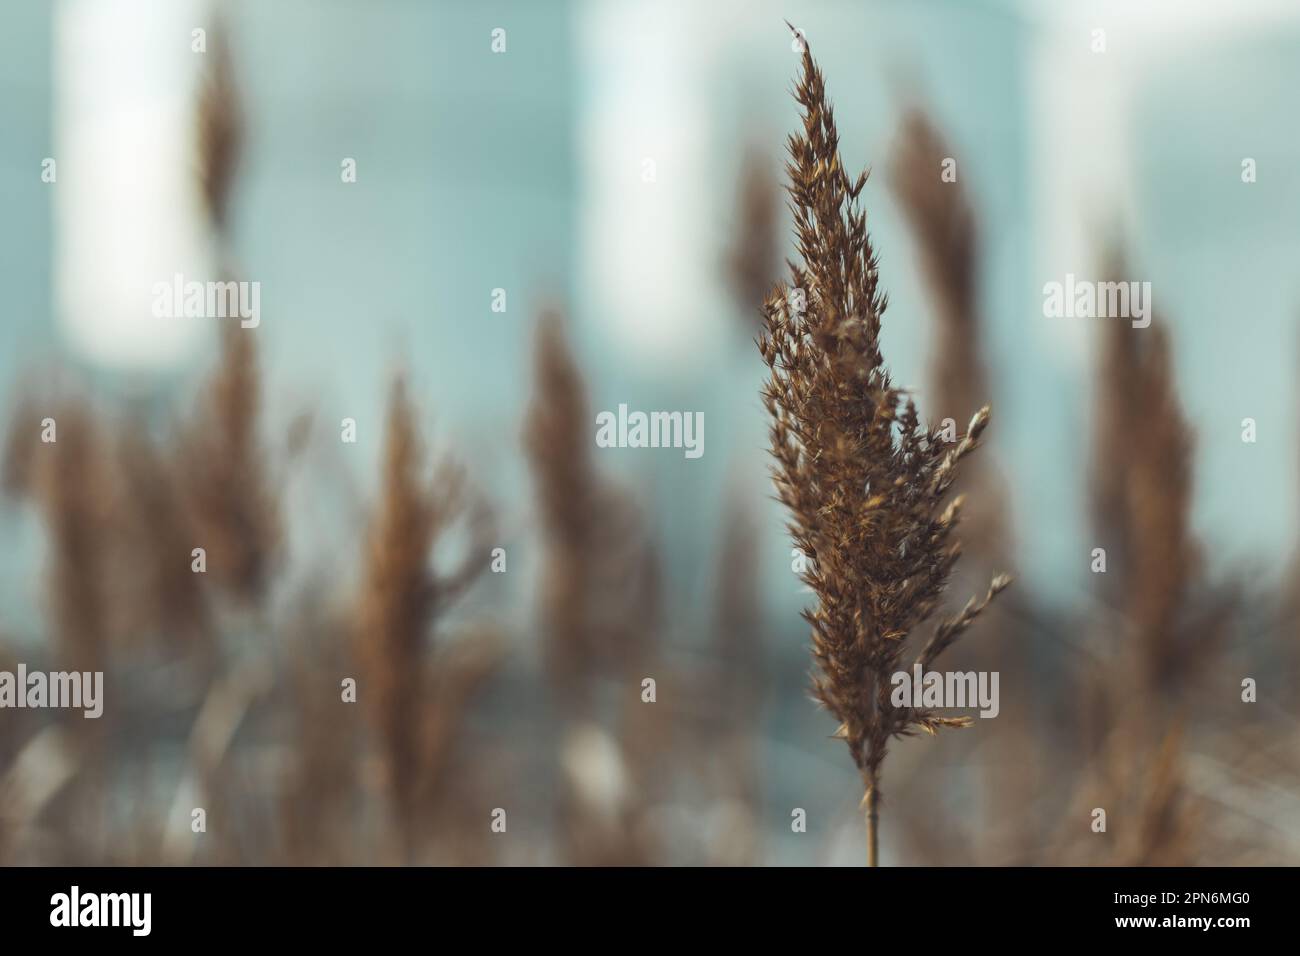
{"type": "Point", "coordinates": [865, 484]}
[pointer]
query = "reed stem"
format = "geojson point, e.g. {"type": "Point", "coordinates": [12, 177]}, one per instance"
{"type": "Point", "coordinates": [873, 826]}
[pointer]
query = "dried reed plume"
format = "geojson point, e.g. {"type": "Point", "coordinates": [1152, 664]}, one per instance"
{"type": "Point", "coordinates": [402, 596]}
{"type": "Point", "coordinates": [595, 548]}
{"type": "Point", "coordinates": [317, 791]}
{"type": "Point", "coordinates": [219, 133]}
{"type": "Point", "coordinates": [1161, 555]}
{"type": "Point", "coordinates": [738, 610]}
{"type": "Point", "coordinates": [17, 468]}
{"type": "Point", "coordinates": [170, 600]}
{"type": "Point", "coordinates": [233, 510]}
{"type": "Point", "coordinates": [1138, 778]}
{"type": "Point", "coordinates": [864, 482]}
{"type": "Point", "coordinates": [752, 264]}
{"type": "Point", "coordinates": [1142, 483]}
{"type": "Point", "coordinates": [736, 690]}
{"type": "Point", "coordinates": [599, 610]}
{"type": "Point", "coordinates": [945, 228]}
{"type": "Point", "coordinates": [74, 487]}
{"type": "Point", "coordinates": [1173, 618]}
{"type": "Point", "coordinates": [560, 453]}
{"type": "Point", "coordinates": [944, 225]}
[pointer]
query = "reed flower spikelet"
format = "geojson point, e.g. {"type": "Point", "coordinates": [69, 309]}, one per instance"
{"type": "Point", "coordinates": [865, 483]}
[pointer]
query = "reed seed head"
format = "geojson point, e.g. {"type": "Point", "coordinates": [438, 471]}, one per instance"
{"type": "Point", "coordinates": [865, 483]}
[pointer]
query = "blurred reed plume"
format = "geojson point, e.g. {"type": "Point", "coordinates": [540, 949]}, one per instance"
{"type": "Point", "coordinates": [594, 537]}
{"type": "Point", "coordinates": [737, 690]}
{"type": "Point", "coordinates": [1142, 483]}
{"type": "Point", "coordinates": [219, 133]}
{"type": "Point", "coordinates": [568, 493]}
{"type": "Point", "coordinates": [754, 258]}
{"type": "Point", "coordinates": [402, 596]}
{"type": "Point", "coordinates": [73, 485]}
{"type": "Point", "coordinates": [231, 502]}
{"type": "Point", "coordinates": [599, 612]}
{"type": "Point", "coordinates": [944, 226]}
{"type": "Point", "coordinates": [865, 484]}
{"type": "Point", "coordinates": [225, 475]}
{"type": "Point", "coordinates": [1172, 620]}
{"type": "Point", "coordinates": [739, 623]}
{"type": "Point", "coordinates": [169, 601]}
{"type": "Point", "coordinates": [318, 797]}
{"type": "Point", "coordinates": [1138, 779]}
{"type": "Point", "coordinates": [75, 495]}
{"type": "Point", "coordinates": [17, 470]}
{"type": "Point", "coordinates": [933, 191]}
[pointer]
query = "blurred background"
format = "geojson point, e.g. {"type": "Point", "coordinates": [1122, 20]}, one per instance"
{"type": "Point", "coordinates": [608, 175]}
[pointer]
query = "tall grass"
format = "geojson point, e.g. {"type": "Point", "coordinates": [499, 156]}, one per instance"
{"type": "Point", "coordinates": [1134, 696]}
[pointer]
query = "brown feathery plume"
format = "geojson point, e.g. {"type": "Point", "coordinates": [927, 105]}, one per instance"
{"type": "Point", "coordinates": [1141, 491]}
{"type": "Point", "coordinates": [233, 511]}
{"type": "Point", "coordinates": [594, 538]}
{"type": "Point", "coordinates": [943, 223]}
{"type": "Point", "coordinates": [170, 598]}
{"type": "Point", "coordinates": [753, 262]}
{"type": "Point", "coordinates": [738, 613]}
{"type": "Point", "coordinates": [945, 229]}
{"type": "Point", "coordinates": [599, 609]}
{"type": "Point", "coordinates": [1137, 777]}
{"type": "Point", "coordinates": [1175, 620]}
{"type": "Point", "coordinates": [864, 482]}
{"type": "Point", "coordinates": [76, 496]}
{"type": "Point", "coordinates": [21, 442]}
{"type": "Point", "coordinates": [1119, 378]}
{"type": "Point", "coordinates": [459, 672]}
{"type": "Point", "coordinates": [1163, 553]}
{"type": "Point", "coordinates": [318, 790]}
{"type": "Point", "coordinates": [940, 215]}
{"type": "Point", "coordinates": [298, 435]}
{"type": "Point", "coordinates": [402, 596]}
{"type": "Point", "coordinates": [455, 766]}
{"type": "Point", "coordinates": [76, 493]}
{"type": "Point", "coordinates": [558, 447]}
{"type": "Point", "coordinates": [737, 692]}
{"type": "Point", "coordinates": [220, 131]}
{"type": "Point", "coordinates": [646, 734]}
